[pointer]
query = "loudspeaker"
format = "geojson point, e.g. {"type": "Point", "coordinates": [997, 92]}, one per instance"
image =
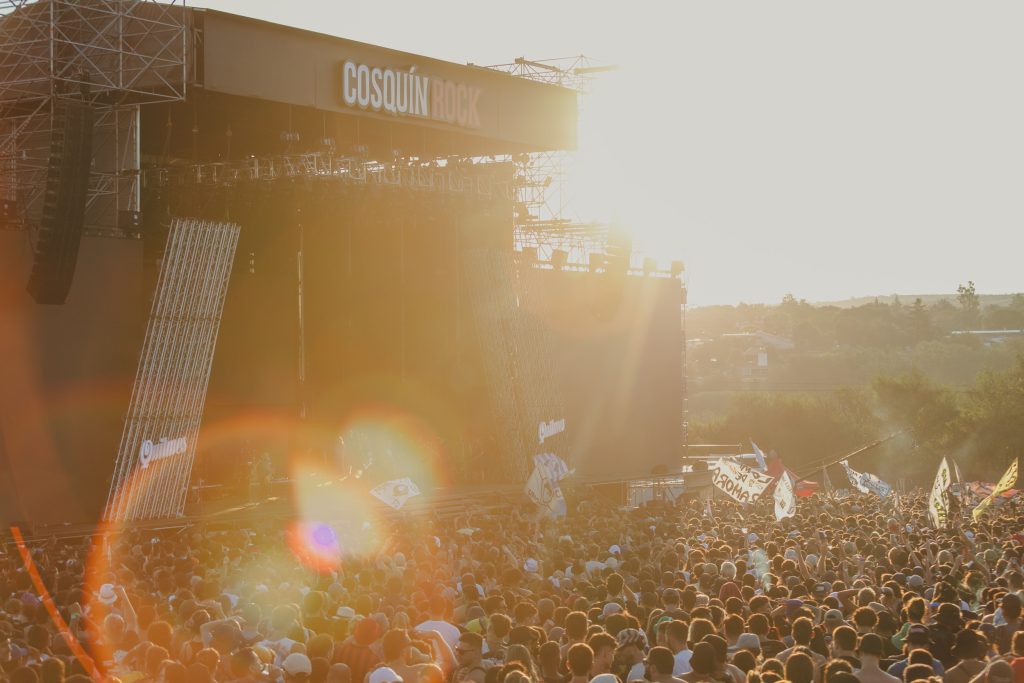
{"type": "Point", "coordinates": [63, 214]}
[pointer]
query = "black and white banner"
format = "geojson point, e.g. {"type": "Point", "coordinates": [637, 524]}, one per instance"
{"type": "Point", "coordinates": [866, 482]}
{"type": "Point", "coordinates": [742, 484]}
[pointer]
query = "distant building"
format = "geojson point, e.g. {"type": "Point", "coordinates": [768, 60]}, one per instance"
{"type": "Point", "coordinates": [990, 337]}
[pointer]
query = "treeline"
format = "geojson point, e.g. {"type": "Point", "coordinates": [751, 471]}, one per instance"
{"type": "Point", "coordinates": [981, 425]}
{"type": "Point", "coordinates": [881, 324]}
{"type": "Point", "coordinates": [836, 346]}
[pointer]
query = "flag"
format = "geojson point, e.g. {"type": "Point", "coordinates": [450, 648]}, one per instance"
{"type": "Point", "coordinates": [785, 500]}
{"type": "Point", "coordinates": [938, 500]}
{"type": "Point", "coordinates": [742, 484]}
{"type": "Point", "coordinates": [551, 466]}
{"type": "Point", "coordinates": [396, 492]}
{"type": "Point", "coordinates": [545, 493]}
{"type": "Point", "coordinates": [866, 482]}
{"type": "Point", "coordinates": [762, 464]}
{"type": "Point", "coordinates": [542, 486]}
{"type": "Point", "coordinates": [1005, 483]}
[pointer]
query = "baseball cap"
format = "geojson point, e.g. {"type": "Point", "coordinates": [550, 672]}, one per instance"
{"type": "Point", "coordinates": [919, 633]}
{"type": "Point", "coordinates": [346, 612]}
{"type": "Point", "coordinates": [915, 581]}
{"type": "Point", "coordinates": [297, 663]}
{"type": "Point", "coordinates": [833, 615]}
{"type": "Point", "coordinates": [631, 636]}
{"type": "Point", "coordinates": [610, 609]}
{"type": "Point", "coordinates": [748, 641]}
{"type": "Point", "coordinates": [385, 675]}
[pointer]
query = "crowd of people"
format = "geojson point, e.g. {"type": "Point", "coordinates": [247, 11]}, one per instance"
{"type": "Point", "coordinates": [852, 589]}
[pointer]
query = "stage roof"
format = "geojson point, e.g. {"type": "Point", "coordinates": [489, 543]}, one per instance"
{"type": "Point", "coordinates": [461, 108]}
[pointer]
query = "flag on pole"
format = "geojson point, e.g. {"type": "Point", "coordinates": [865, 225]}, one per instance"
{"type": "Point", "coordinates": [762, 464]}
{"type": "Point", "coordinates": [1006, 483]}
{"type": "Point", "coordinates": [866, 482]}
{"type": "Point", "coordinates": [542, 486]}
{"type": "Point", "coordinates": [785, 499]}
{"type": "Point", "coordinates": [938, 500]}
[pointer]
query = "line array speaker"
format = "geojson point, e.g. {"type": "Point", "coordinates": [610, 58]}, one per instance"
{"type": "Point", "coordinates": [63, 214]}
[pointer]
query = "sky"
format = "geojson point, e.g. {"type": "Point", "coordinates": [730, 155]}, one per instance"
{"type": "Point", "coordinates": [828, 150]}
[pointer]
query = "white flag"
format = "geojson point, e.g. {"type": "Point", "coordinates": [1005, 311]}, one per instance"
{"type": "Point", "coordinates": [546, 430]}
{"type": "Point", "coordinates": [785, 499]}
{"type": "Point", "coordinates": [741, 483]}
{"type": "Point", "coordinates": [545, 492]}
{"type": "Point", "coordinates": [551, 466]}
{"type": "Point", "coordinates": [866, 482]}
{"type": "Point", "coordinates": [762, 464]}
{"type": "Point", "coordinates": [396, 492]}
{"type": "Point", "coordinates": [938, 501]}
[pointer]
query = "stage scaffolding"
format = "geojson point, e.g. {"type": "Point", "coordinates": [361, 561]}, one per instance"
{"type": "Point", "coordinates": [158, 444]}
{"type": "Point", "coordinates": [543, 204]}
{"type": "Point", "coordinates": [519, 370]}
{"type": "Point", "coordinates": [427, 176]}
{"type": "Point", "coordinates": [115, 55]}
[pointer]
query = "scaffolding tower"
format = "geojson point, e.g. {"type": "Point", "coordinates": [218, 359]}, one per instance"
{"type": "Point", "coordinates": [115, 55]}
{"type": "Point", "coordinates": [543, 219]}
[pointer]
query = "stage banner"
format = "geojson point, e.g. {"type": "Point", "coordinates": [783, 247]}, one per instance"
{"type": "Point", "coordinates": [785, 498]}
{"type": "Point", "coordinates": [866, 482]}
{"type": "Point", "coordinates": [546, 430]}
{"type": "Point", "coordinates": [396, 492]}
{"type": "Point", "coordinates": [938, 500]}
{"type": "Point", "coordinates": [741, 483]}
{"type": "Point", "coordinates": [1006, 483]}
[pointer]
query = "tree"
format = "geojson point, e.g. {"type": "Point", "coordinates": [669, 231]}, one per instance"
{"type": "Point", "coordinates": [970, 303]}
{"type": "Point", "coordinates": [920, 321]}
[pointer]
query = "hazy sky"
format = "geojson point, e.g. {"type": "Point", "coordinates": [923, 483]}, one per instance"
{"type": "Point", "coordinates": [820, 148]}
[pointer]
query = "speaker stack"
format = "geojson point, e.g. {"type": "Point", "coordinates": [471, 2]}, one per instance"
{"type": "Point", "coordinates": [63, 214]}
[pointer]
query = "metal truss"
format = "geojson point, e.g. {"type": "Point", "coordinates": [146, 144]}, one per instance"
{"type": "Point", "coordinates": [489, 282]}
{"type": "Point", "coordinates": [543, 204]}
{"type": "Point", "coordinates": [463, 178]}
{"type": "Point", "coordinates": [114, 54]}
{"type": "Point", "coordinates": [158, 444]}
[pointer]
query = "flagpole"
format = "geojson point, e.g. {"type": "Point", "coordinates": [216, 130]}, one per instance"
{"type": "Point", "coordinates": [863, 449]}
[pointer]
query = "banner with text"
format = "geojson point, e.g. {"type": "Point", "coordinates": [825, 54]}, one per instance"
{"type": "Point", "coordinates": [938, 500]}
{"type": "Point", "coordinates": [741, 483]}
{"type": "Point", "coordinates": [785, 499]}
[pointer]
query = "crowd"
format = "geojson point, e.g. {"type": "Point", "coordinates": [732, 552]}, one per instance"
{"type": "Point", "coordinates": [851, 589]}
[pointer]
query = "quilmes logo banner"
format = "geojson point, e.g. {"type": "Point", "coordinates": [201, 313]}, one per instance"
{"type": "Point", "coordinates": [408, 93]}
{"type": "Point", "coordinates": [149, 451]}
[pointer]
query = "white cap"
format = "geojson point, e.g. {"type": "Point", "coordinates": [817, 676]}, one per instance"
{"type": "Point", "coordinates": [614, 550]}
{"type": "Point", "coordinates": [107, 595]}
{"type": "Point", "coordinates": [385, 675]}
{"type": "Point", "coordinates": [297, 663]}
{"type": "Point", "coordinates": [530, 567]}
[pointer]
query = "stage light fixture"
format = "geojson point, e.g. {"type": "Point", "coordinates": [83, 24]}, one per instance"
{"type": "Point", "coordinates": [559, 258]}
{"type": "Point", "coordinates": [676, 269]}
